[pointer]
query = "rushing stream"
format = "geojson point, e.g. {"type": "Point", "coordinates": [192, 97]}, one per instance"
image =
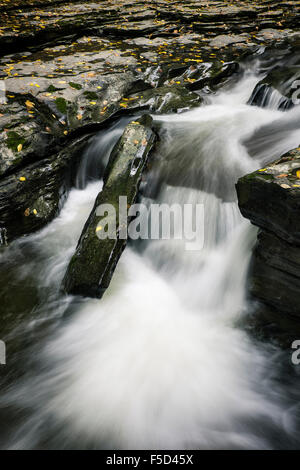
{"type": "Point", "coordinates": [164, 359]}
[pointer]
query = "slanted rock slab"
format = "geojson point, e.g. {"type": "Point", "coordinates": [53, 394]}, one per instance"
{"type": "Point", "coordinates": [92, 266]}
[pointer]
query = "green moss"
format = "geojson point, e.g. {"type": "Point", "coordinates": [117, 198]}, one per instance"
{"type": "Point", "coordinates": [255, 175]}
{"type": "Point", "coordinates": [61, 105]}
{"type": "Point", "coordinates": [91, 95]}
{"type": "Point", "coordinates": [52, 89]}
{"type": "Point", "coordinates": [266, 176]}
{"type": "Point", "coordinates": [77, 86]}
{"type": "Point", "coordinates": [14, 140]}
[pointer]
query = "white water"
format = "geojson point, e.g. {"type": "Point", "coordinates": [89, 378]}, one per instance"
{"type": "Point", "coordinates": [160, 361]}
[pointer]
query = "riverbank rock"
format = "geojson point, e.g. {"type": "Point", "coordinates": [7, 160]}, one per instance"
{"type": "Point", "coordinates": [270, 199]}
{"type": "Point", "coordinates": [280, 88]}
{"type": "Point", "coordinates": [92, 266]}
{"type": "Point", "coordinates": [32, 196]}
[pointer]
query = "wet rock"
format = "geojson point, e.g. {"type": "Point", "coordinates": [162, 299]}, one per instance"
{"type": "Point", "coordinates": [211, 75]}
{"type": "Point", "coordinates": [169, 99]}
{"type": "Point", "coordinates": [275, 277]}
{"type": "Point", "coordinates": [270, 199]}
{"type": "Point", "coordinates": [225, 40]}
{"type": "Point", "coordinates": [32, 196]}
{"type": "Point", "coordinates": [280, 88]}
{"type": "Point", "coordinates": [92, 266]}
{"type": "Point", "coordinates": [26, 133]}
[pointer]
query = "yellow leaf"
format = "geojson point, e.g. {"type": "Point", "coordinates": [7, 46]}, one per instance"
{"type": "Point", "coordinates": [29, 104]}
{"type": "Point", "coordinates": [79, 117]}
{"type": "Point", "coordinates": [22, 178]}
{"type": "Point", "coordinates": [20, 146]}
{"type": "Point", "coordinates": [34, 211]}
{"type": "Point", "coordinates": [298, 174]}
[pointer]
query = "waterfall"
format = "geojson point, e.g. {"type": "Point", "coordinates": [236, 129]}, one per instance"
{"type": "Point", "coordinates": [162, 360]}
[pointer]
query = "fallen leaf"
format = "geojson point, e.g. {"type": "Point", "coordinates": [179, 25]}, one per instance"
{"type": "Point", "coordinates": [29, 104]}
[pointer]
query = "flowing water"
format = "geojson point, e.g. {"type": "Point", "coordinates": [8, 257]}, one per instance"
{"type": "Point", "coordinates": [163, 360]}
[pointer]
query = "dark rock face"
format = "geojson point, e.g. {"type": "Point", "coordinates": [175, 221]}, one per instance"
{"type": "Point", "coordinates": [270, 198]}
{"type": "Point", "coordinates": [92, 266]}
{"type": "Point", "coordinates": [276, 273]}
{"type": "Point", "coordinates": [280, 88]}
{"type": "Point", "coordinates": [32, 196]}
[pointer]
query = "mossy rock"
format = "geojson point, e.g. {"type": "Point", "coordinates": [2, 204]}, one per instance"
{"type": "Point", "coordinates": [92, 266]}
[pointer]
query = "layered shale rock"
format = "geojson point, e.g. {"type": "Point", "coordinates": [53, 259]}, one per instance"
{"type": "Point", "coordinates": [270, 199]}
{"type": "Point", "coordinates": [32, 196]}
{"type": "Point", "coordinates": [92, 266]}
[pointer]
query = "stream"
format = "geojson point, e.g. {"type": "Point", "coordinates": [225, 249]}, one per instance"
{"type": "Point", "coordinates": [165, 359]}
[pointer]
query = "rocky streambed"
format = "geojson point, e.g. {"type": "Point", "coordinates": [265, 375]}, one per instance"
{"type": "Point", "coordinates": [182, 102]}
{"type": "Point", "coordinates": [69, 70]}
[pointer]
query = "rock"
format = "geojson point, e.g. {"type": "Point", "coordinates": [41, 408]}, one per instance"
{"type": "Point", "coordinates": [92, 266]}
{"type": "Point", "coordinates": [278, 88]}
{"type": "Point", "coordinates": [225, 40]}
{"type": "Point", "coordinates": [270, 199]}
{"type": "Point", "coordinates": [32, 196]}
{"type": "Point", "coordinates": [275, 274]}
{"type": "Point", "coordinates": [27, 131]}
{"type": "Point", "coordinates": [169, 99]}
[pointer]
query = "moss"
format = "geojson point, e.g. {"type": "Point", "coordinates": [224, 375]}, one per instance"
{"type": "Point", "coordinates": [77, 86]}
{"type": "Point", "coordinates": [52, 89]}
{"type": "Point", "coordinates": [266, 176]}
{"type": "Point", "coordinates": [61, 105]}
{"type": "Point", "coordinates": [255, 175]}
{"type": "Point", "coordinates": [90, 95]}
{"type": "Point", "coordinates": [14, 140]}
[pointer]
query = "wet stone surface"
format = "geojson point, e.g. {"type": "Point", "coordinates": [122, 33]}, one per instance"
{"type": "Point", "coordinates": [270, 198]}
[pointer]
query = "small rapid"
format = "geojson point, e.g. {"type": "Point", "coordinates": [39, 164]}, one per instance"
{"type": "Point", "coordinates": [163, 360]}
